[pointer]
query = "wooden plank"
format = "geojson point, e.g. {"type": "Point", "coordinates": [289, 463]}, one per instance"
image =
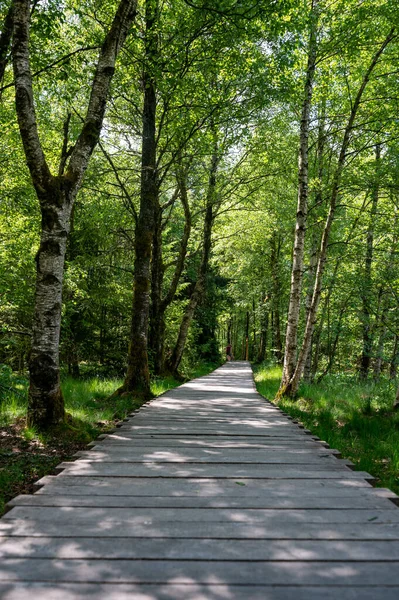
{"type": "Point", "coordinates": [228, 572]}
{"type": "Point", "coordinates": [192, 591]}
{"type": "Point", "coordinates": [128, 455]}
{"type": "Point", "coordinates": [217, 515]}
{"type": "Point", "coordinates": [191, 485]}
{"type": "Point", "coordinates": [198, 530]}
{"type": "Point", "coordinates": [204, 549]}
{"type": "Point", "coordinates": [307, 499]}
{"type": "Point", "coordinates": [207, 442]}
{"type": "Point", "coordinates": [86, 469]}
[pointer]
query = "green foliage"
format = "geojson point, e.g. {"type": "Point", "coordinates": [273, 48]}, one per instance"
{"type": "Point", "coordinates": [354, 417]}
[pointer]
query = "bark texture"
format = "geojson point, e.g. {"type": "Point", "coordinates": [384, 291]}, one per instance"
{"type": "Point", "coordinates": [137, 378]}
{"type": "Point", "coordinates": [291, 339]}
{"type": "Point", "coordinates": [5, 39]}
{"type": "Point", "coordinates": [56, 195]}
{"type": "Point", "coordinates": [292, 388]}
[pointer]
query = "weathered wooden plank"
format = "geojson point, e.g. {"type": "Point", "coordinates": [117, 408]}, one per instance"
{"type": "Point", "coordinates": [241, 457]}
{"type": "Point", "coordinates": [218, 515]}
{"type": "Point", "coordinates": [207, 442]}
{"type": "Point", "coordinates": [193, 591]}
{"type": "Point", "coordinates": [191, 485]}
{"type": "Point", "coordinates": [307, 499]}
{"type": "Point", "coordinates": [228, 572]}
{"type": "Point", "coordinates": [203, 549]}
{"type": "Point", "coordinates": [200, 530]}
{"type": "Point", "coordinates": [87, 469]}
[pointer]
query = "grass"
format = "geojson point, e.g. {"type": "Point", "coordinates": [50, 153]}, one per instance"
{"type": "Point", "coordinates": [354, 417]}
{"type": "Point", "coordinates": [27, 455]}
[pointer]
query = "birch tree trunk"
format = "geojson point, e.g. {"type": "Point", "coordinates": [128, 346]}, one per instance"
{"type": "Point", "coordinates": [292, 388]}
{"type": "Point", "coordinates": [56, 195]}
{"type": "Point", "coordinates": [291, 337]}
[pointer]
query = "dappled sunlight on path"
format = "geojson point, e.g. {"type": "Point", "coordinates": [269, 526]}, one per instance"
{"type": "Point", "coordinates": [206, 493]}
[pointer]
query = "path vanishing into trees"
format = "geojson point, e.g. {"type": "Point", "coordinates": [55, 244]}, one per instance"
{"type": "Point", "coordinates": [208, 492]}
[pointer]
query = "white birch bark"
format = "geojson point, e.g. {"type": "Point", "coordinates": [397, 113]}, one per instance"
{"type": "Point", "coordinates": [56, 195]}
{"type": "Point", "coordinates": [291, 338]}
{"type": "Point", "coordinates": [292, 387]}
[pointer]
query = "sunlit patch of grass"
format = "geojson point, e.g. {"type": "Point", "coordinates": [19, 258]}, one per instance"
{"type": "Point", "coordinates": [353, 416]}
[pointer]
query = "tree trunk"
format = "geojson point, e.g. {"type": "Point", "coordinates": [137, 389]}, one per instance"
{"type": "Point", "coordinates": [367, 278]}
{"type": "Point", "coordinates": [157, 316]}
{"type": "Point", "coordinates": [292, 388]}
{"type": "Point", "coordinates": [291, 338]}
{"type": "Point", "coordinates": [56, 195]}
{"type": "Point", "coordinates": [200, 286]}
{"type": "Point", "coordinates": [394, 359]}
{"type": "Point", "coordinates": [137, 378]}
{"type": "Point", "coordinates": [275, 245]}
{"type": "Point", "coordinates": [160, 304]}
{"type": "Point", "coordinates": [5, 39]}
{"type": "Point", "coordinates": [264, 326]}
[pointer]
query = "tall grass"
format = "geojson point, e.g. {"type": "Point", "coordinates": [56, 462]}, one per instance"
{"type": "Point", "coordinates": [354, 417]}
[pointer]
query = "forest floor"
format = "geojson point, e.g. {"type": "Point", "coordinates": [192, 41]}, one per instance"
{"type": "Point", "coordinates": [354, 417]}
{"type": "Point", "coordinates": [26, 455]}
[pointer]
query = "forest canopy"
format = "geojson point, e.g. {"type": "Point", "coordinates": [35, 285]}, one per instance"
{"type": "Point", "coordinates": [178, 176]}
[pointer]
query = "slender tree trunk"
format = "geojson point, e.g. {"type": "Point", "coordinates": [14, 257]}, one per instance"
{"type": "Point", "coordinates": [247, 336]}
{"type": "Point", "coordinates": [367, 278]}
{"type": "Point", "coordinates": [308, 303]}
{"type": "Point", "coordinates": [393, 369]}
{"type": "Point", "coordinates": [159, 303]}
{"type": "Point", "coordinates": [157, 318]}
{"type": "Point", "coordinates": [292, 388]}
{"type": "Point", "coordinates": [264, 326]}
{"type": "Point", "coordinates": [56, 195]}
{"type": "Point", "coordinates": [275, 247]}
{"type": "Point", "coordinates": [5, 40]}
{"type": "Point", "coordinates": [137, 378]}
{"type": "Point", "coordinates": [291, 338]}
{"type": "Point", "coordinates": [308, 373]}
{"type": "Point", "coordinates": [200, 286]}
{"type": "Point", "coordinates": [334, 346]}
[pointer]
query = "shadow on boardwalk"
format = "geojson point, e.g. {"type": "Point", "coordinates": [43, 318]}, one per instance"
{"type": "Point", "coordinates": [208, 492]}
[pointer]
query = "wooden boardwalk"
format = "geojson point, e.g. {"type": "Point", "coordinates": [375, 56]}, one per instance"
{"type": "Point", "coordinates": [206, 493]}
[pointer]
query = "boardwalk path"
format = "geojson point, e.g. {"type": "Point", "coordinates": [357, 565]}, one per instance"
{"type": "Point", "coordinates": [208, 492]}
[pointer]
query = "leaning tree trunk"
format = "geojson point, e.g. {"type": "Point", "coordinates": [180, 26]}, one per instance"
{"type": "Point", "coordinates": [292, 388]}
{"type": "Point", "coordinates": [56, 195]}
{"type": "Point", "coordinates": [291, 338]}
{"type": "Point", "coordinates": [200, 286]}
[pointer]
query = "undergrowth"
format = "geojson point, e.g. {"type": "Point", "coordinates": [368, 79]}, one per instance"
{"type": "Point", "coordinates": [354, 417]}
{"type": "Point", "coordinates": [27, 455]}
